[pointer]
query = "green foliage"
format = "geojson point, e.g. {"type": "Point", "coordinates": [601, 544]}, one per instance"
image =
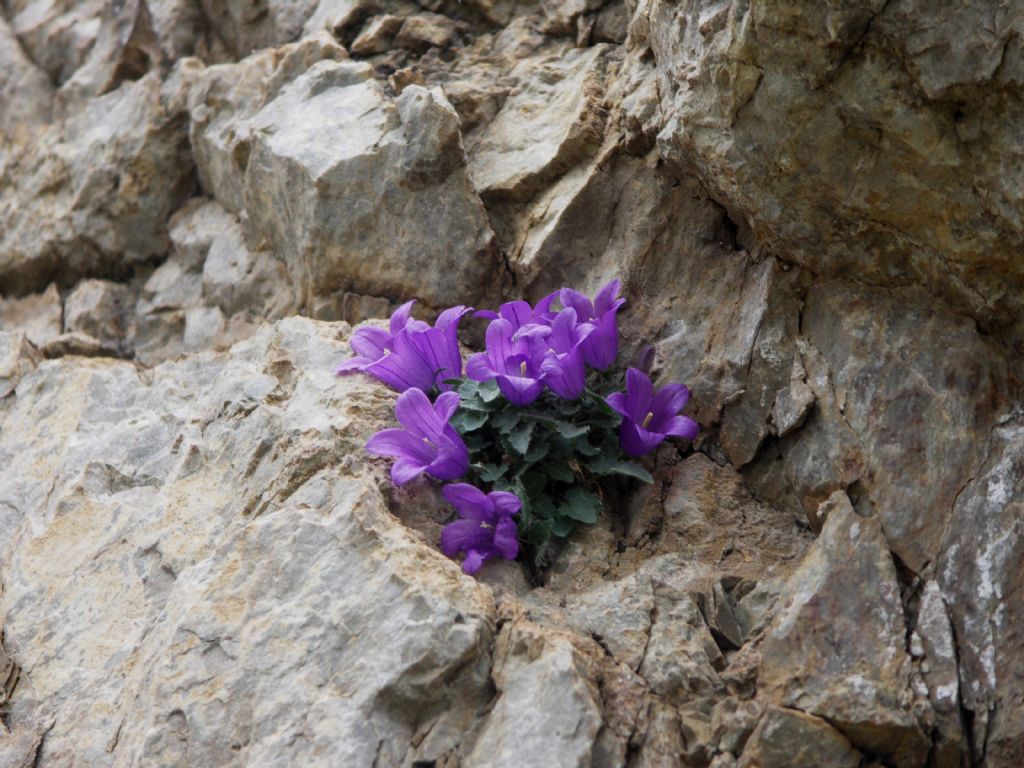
{"type": "Point", "coordinates": [560, 457]}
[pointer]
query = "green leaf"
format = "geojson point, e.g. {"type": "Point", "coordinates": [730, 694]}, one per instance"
{"type": "Point", "coordinates": [584, 448]}
{"type": "Point", "coordinates": [488, 391]}
{"type": "Point", "coordinates": [562, 527]}
{"type": "Point", "coordinates": [605, 465]}
{"type": "Point", "coordinates": [468, 420]}
{"type": "Point", "coordinates": [520, 437]}
{"type": "Point", "coordinates": [506, 421]}
{"type": "Point", "coordinates": [490, 473]}
{"type": "Point", "coordinates": [571, 431]}
{"type": "Point", "coordinates": [537, 452]}
{"type": "Point", "coordinates": [581, 505]}
{"type": "Point", "coordinates": [558, 471]}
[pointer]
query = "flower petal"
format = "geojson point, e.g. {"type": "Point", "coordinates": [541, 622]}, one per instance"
{"type": "Point", "coordinates": [469, 501]}
{"type": "Point", "coordinates": [506, 538]}
{"type": "Point", "coordinates": [519, 390]}
{"type": "Point", "coordinates": [463, 535]}
{"type": "Point", "coordinates": [505, 503]}
{"type": "Point", "coordinates": [669, 400]}
{"type": "Point", "coordinates": [499, 342]}
{"type": "Point", "coordinates": [639, 394]}
{"type": "Point", "coordinates": [606, 300]}
{"type": "Point", "coordinates": [479, 368]}
{"type": "Point", "coordinates": [618, 402]}
{"type": "Point", "coordinates": [446, 404]}
{"type": "Point", "coordinates": [416, 414]}
{"type": "Point", "coordinates": [680, 426]}
{"type": "Point", "coordinates": [601, 346]}
{"type": "Point", "coordinates": [370, 342]}
{"type": "Point", "coordinates": [404, 470]}
{"type": "Point", "coordinates": [518, 313]}
{"type": "Point", "coordinates": [400, 317]}
{"type": "Point", "coordinates": [398, 443]}
{"type": "Point", "coordinates": [352, 365]}
{"type": "Point", "coordinates": [583, 306]}
{"type": "Point", "coordinates": [637, 441]}
{"type": "Point", "coordinates": [473, 562]}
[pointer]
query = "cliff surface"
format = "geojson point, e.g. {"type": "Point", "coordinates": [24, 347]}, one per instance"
{"type": "Point", "coordinates": [817, 211]}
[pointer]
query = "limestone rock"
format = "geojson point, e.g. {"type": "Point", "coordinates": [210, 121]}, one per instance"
{"type": "Point", "coordinates": [913, 94]}
{"type": "Point", "coordinates": [17, 357]}
{"type": "Point", "coordinates": [226, 96]}
{"type": "Point", "coordinates": [100, 309]}
{"type": "Point", "coordinates": [786, 738]}
{"type": "Point", "coordinates": [246, 26]}
{"type": "Point", "coordinates": [334, 138]}
{"type": "Point", "coordinates": [835, 648]}
{"type": "Point", "coordinates": [425, 30]}
{"type": "Point", "coordinates": [57, 36]}
{"type": "Point", "coordinates": [979, 574]}
{"type": "Point", "coordinates": [550, 122]}
{"type": "Point", "coordinates": [25, 91]}
{"type": "Point", "coordinates": [38, 316]}
{"type": "Point", "coordinates": [547, 709]}
{"type": "Point", "coordinates": [133, 627]}
{"type": "Point", "coordinates": [377, 36]}
{"type": "Point", "coordinates": [92, 196]}
{"type": "Point", "coordinates": [940, 673]}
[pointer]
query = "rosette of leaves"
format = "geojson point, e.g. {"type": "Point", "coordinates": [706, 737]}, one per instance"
{"type": "Point", "coordinates": [561, 457]}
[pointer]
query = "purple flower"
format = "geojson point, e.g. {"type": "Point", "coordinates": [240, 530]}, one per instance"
{"type": "Point", "coordinates": [410, 354]}
{"type": "Point", "coordinates": [513, 362]}
{"type": "Point", "coordinates": [520, 313]}
{"type": "Point", "coordinates": [427, 443]}
{"type": "Point", "coordinates": [649, 417]}
{"type": "Point", "coordinates": [602, 346]}
{"type": "Point", "coordinates": [486, 529]}
{"type": "Point", "coordinates": [562, 368]}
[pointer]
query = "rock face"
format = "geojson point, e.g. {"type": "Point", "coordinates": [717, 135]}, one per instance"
{"type": "Point", "coordinates": [815, 212]}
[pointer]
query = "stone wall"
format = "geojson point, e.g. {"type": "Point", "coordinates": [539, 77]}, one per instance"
{"type": "Point", "coordinates": [816, 212]}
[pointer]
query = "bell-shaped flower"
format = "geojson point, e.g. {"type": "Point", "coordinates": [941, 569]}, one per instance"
{"type": "Point", "coordinates": [486, 528]}
{"type": "Point", "coordinates": [602, 346]}
{"type": "Point", "coordinates": [563, 366]}
{"type": "Point", "coordinates": [520, 313]}
{"type": "Point", "coordinates": [513, 362]}
{"type": "Point", "coordinates": [371, 344]}
{"type": "Point", "coordinates": [427, 443]}
{"type": "Point", "coordinates": [648, 417]}
{"type": "Point", "coordinates": [411, 354]}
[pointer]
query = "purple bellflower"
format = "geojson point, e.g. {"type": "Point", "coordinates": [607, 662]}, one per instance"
{"type": "Point", "coordinates": [427, 443]}
{"type": "Point", "coordinates": [486, 528]}
{"type": "Point", "coordinates": [520, 313]}
{"type": "Point", "coordinates": [563, 366]}
{"type": "Point", "coordinates": [602, 346]}
{"type": "Point", "coordinates": [648, 417]}
{"type": "Point", "coordinates": [410, 354]}
{"type": "Point", "coordinates": [513, 362]}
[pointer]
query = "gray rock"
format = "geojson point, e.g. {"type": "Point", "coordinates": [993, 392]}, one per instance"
{"type": "Point", "coordinates": [377, 36]}
{"type": "Point", "coordinates": [133, 627]}
{"type": "Point", "coordinates": [25, 91]}
{"type": "Point", "coordinates": [911, 92]}
{"type": "Point", "coordinates": [978, 574]}
{"type": "Point", "coordinates": [835, 648]}
{"type": "Point", "coordinates": [57, 36]}
{"type": "Point", "coordinates": [100, 309]}
{"type": "Point", "coordinates": [92, 196]}
{"type": "Point", "coordinates": [38, 316]}
{"type": "Point", "coordinates": [425, 30]}
{"type": "Point", "coordinates": [547, 710]}
{"type": "Point", "coordinates": [785, 738]}
{"type": "Point", "coordinates": [17, 357]}
{"type": "Point", "coordinates": [247, 25]}
{"type": "Point", "coordinates": [940, 673]}
{"type": "Point", "coordinates": [334, 138]}
{"type": "Point", "coordinates": [549, 123]}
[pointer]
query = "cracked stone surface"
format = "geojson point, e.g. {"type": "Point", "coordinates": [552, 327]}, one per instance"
{"type": "Point", "coordinates": [815, 212]}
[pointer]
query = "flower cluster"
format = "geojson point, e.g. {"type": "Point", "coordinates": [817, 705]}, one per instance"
{"type": "Point", "coordinates": [524, 419]}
